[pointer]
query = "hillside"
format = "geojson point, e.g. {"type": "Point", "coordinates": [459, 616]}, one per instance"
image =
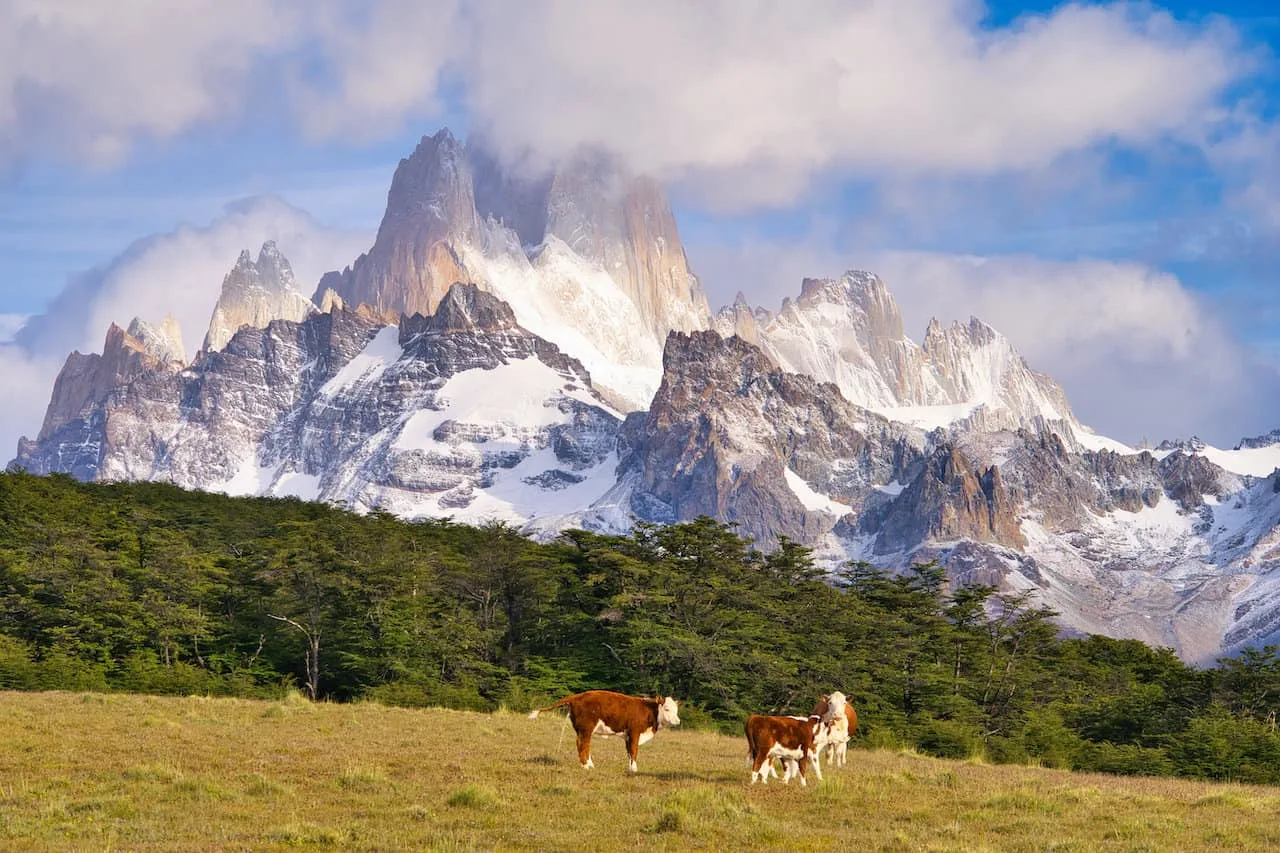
{"type": "Point", "coordinates": [145, 773]}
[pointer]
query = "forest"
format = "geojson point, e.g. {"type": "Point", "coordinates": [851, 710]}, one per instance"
{"type": "Point", "coordinates": [145, 587]}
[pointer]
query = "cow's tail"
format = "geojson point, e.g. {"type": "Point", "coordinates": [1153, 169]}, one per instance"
{"type": "Point", "coordinates": [533, 715]}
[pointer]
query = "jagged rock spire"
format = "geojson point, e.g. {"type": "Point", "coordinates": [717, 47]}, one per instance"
{"type": "Point", "coordinates": [253, 294]}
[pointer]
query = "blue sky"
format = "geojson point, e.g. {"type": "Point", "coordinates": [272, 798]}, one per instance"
{"type": "Point", "coordinates": [797, 139]}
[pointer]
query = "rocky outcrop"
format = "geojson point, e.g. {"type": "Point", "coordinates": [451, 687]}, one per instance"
{"type": "Point", "coordinates": [1269, 440]}
{"type": "Point", "coordinates": [1188, 478]}
{"type": "Point", "coordinates": [731, 436]}
{"type": "Point", "coordinates": [253, 294]}
{"type": "Point", "coordinates": [163, 342]}
{"type": "Point", "coordinates": [87, 380]}
{"type": "Point", "coordinates": [430, 216]}
{"type": "Point", "coordinates": [949, 499]}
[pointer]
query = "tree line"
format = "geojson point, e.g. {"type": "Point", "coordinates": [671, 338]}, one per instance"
{"type": "Point", "coordinates": [147, 587]}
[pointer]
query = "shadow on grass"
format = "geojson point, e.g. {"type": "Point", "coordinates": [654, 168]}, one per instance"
{"type": "Point", "coordinates": [688, 776]}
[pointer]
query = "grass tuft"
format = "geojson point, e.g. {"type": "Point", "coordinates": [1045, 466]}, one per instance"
{"type": "Point", "coordinates": [473, 797]}
{"type": "Point", "coordinates": [669, 821]}
{"type": "Point", "coordinates": [303, 834]}
{"type": "Point", "coordinates": [363, 780]}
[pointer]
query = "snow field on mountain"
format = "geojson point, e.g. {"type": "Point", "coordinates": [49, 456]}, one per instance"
{"type": "Point", "coordinates": [564, 299]}
{"type": "Point", "coordinates": [382, 351]}
{"type": "Point", "coordinates": [518, 396]}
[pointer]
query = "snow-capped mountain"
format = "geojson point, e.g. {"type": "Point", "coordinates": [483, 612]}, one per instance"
{"type": "Point", "coordinates": [587, 255]}
{"type": "Point", "coordinates": [849, 332]}
{"type": "Point", "coordinates": [533, 348]}
{"type": "Point", "coordinates": [461, 413]}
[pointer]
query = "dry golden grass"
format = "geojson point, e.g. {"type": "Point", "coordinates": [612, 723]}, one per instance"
{"type": "Point", "coordinates": [115, 772]}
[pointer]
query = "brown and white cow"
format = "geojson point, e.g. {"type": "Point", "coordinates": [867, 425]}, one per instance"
{"type": "Point", "coordinates": [604, 713]}
{"type": "Point", "coordinates": [788, 738]}
{"type": "Point", "coordinates": [840, 721]}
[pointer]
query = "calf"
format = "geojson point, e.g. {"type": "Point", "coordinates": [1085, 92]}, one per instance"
{"type": "Point", "coordinates": [840, 721]}
{"type": "Point", "coordinates": [604, 713]}
{"type": "Point", "coordinates": [788, 738]}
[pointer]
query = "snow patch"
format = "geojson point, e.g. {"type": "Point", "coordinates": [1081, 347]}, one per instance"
{"type": "Point", "coordinates": [382, 350]}
{"type": "Point", "coordinates": [298, 485]}
{"type": "Point", "coordinates": [928, 417]}
{"type": "Point", "coordinates": [812, 500]}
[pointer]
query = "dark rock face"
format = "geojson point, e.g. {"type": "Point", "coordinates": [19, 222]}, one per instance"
{"type": "Point", "coordinates": [950, 498]}
{"type": "Point", "coordinates": [1188, 478]}
{"type": "Point", "coordinates": [1267, 440]}
{"type": "Point", "coordinates": [726, 425]}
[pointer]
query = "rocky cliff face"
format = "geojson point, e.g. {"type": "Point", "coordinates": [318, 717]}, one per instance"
{"type": "Point", "coordinates": [253, 294]}
{"type": "Point", "coordinates": [163, 342]}
{"type": "Point", "coordinates": [85, 380]}
{"type": "Point", "coordinates": [415, 258]}
{"type": "Point", "coordinates": [731, 436]}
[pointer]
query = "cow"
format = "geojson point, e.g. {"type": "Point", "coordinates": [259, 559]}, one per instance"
{"type": "Point", "coordinates": [788, 738]}
{"type": "Point", "coordinates": [840, 721]}
{"type": "Point", "coordinates": [604, 713]}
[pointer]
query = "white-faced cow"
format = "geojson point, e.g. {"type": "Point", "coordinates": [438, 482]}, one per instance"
{"type": "Point", "coordinates": [840, 721]}
{"type": "Point", "coordinates": [603, 712]}
{"type": "Point", "coordinates": [788, 738]}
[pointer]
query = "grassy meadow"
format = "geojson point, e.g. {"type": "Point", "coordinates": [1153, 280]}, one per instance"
{"type": "Point", "coordinates": [129, 772]}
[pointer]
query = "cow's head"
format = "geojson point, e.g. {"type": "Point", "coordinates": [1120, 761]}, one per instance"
{"type": "Point", "coordinates": [668, 713]}
{"type": "Point", "coordinates": [836, 703]}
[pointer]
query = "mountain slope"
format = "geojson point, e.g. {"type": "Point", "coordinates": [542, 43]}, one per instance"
{"type": "Point", "coordinates": [462, 413]}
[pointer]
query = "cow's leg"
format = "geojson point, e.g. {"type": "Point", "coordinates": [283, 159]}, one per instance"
{"type": "Point", "coordinates": [633, 748]}
{"type": "Point", "coordinates": [758, 770]}
{"type": "Point", "coordinates": [817, 767]}
{"type": "Point", "coordinates": [584, 748]}
{"type": "Point", "coordinates": [803, 770]}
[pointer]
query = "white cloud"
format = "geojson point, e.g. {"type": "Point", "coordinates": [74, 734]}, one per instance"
{"type": "Point", "coordinates": [10, 324]}
{"type": "Point", "coordinates": [92, 78]}
{"type": "Point", "coordinates": [764, 96]}
{"type": "Point", "coordinates": [178, 273]}
{"type": "Point", "coordinates": [385, 63]}
{"type": "Point", "coordinates": [748, 100]}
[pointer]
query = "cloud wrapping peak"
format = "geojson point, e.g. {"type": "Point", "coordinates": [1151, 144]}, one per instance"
{"type": "Point", "coordinates": [793, 89]}
{"type": "Point", "coordinates": [759, 97]}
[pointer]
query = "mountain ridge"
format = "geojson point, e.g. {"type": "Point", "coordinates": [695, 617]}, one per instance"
{"type": "Point", "coordinates": [535, 349]}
